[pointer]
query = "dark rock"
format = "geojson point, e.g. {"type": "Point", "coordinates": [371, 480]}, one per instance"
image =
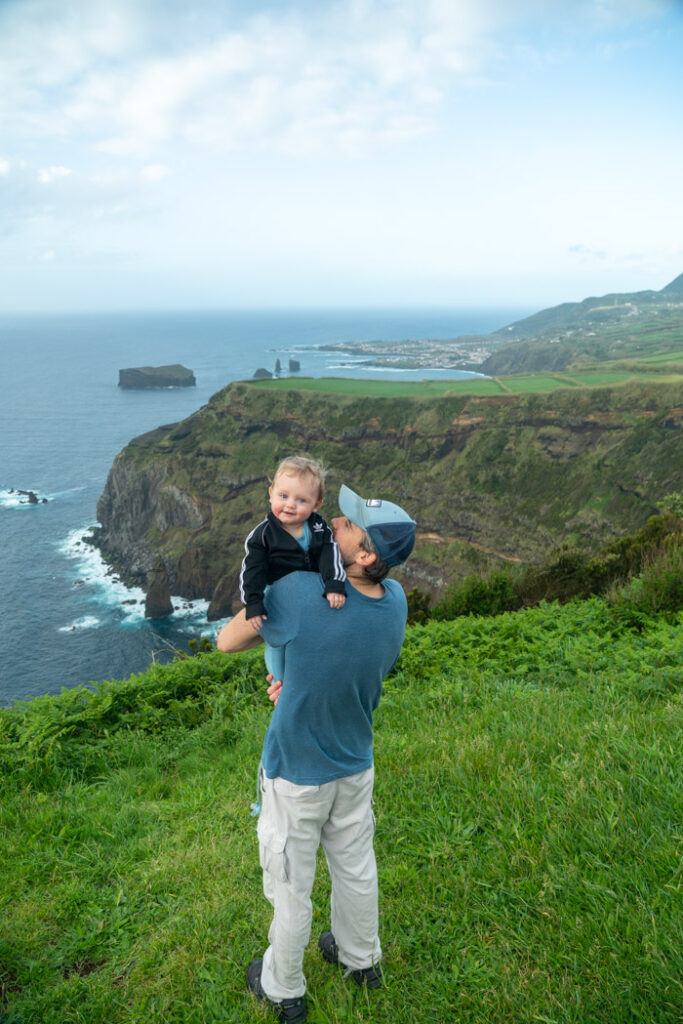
{"type": "Point", "coordinates": [225, 598]}
{"type": "Point", "coordinates": [158, 600]}
{"type": "Point", "coordinates": [262, 374]}
{"type": "Point", "coordinates": [142, 377]}
{"type": "Point", "coordinates": [294, 365]}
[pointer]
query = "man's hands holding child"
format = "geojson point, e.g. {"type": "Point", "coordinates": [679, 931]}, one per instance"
{"type": "Point", "coordinates": [256, 622]}
{"type": "Point", "coordinates": [274, 689]}
{"type": "Point", "coordinates": [335, 600]}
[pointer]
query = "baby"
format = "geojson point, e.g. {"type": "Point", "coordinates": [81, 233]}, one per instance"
{"type": "Point", "coordinates": [292, 537]}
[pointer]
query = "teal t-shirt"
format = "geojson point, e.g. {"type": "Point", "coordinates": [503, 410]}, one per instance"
{"type": "Point", "coordinates": [334, 662]}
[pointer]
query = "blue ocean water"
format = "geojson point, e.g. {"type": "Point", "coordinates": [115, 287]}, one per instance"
{"type": "Point", "coordinates": [63, 619]}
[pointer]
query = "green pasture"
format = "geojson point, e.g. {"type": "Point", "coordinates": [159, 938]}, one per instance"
{"type": "Point", "coordinates": [383, 388]}
{"type": "Point", "coordinates": [514, 384]}
{"type": "Point", "coordinates": [528, 839]}
{"type": "Point", "coordinates": [675, 356]}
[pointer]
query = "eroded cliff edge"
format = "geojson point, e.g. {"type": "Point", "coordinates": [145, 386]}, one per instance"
{"type": "Point", "coordinates": [495, 479]}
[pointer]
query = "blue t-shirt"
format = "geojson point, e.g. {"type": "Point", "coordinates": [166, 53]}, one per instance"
{"type": "Point", "coordinates": [334, 662]}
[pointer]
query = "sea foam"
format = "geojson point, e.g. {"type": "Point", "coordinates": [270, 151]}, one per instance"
{"type": "Point", "coordinates": [99, 581]}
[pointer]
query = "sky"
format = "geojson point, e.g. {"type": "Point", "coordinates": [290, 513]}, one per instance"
{"type": "Point", "coordinates": [156, 154]}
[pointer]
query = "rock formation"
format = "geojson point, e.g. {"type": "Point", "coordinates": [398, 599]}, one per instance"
{"type": "Point", "coordinates": [158, 599]}
{"type": "Point", "coordinates": [141, 377]}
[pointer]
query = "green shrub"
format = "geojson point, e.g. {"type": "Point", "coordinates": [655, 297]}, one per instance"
{"type": "Point", "coordinates": [571, 574]}
{"type": "Point", "coordinates": [419, 606]}
{"type": "Point", "coordinates": [657, 590]}
{"type": "Point", "coordinates": [477, 595]}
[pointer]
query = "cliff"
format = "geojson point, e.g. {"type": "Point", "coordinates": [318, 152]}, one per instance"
{"type": "Point", "coordinates": [489, 480]}
{"type": "Point", "coordinates": [173, 376]}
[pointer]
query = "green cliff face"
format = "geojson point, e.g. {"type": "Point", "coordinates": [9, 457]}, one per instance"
{"type": "Point", "coordinates": [489, 479]}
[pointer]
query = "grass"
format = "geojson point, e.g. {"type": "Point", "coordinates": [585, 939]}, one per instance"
{"type": "Point", "coordinates": [513, 384]}
{"type": "Point", "coordinates": [383, 388]}
{"type": "Point", "coordinates": [528, 802]}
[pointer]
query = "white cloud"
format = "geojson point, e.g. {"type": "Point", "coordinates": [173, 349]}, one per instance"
{"type": "Point", "coordinates": [154, 172]}
{"type": "Point", "coordinates": [4, 166]}
{"type": "Point", "coordinates": [376, 69]}
{"type": "Point", "coordinates": [47, 175]}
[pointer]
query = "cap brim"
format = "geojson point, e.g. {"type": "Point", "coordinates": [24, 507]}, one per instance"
{"type": "Point", "coordinates": [352, 506]}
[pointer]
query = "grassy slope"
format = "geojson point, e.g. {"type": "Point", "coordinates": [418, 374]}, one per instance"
{"type": "Point", "coordinates": [529, 808]}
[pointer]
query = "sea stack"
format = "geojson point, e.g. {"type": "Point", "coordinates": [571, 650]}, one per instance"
{"type": "Point", "coordinates": [143, 377]}
{"type": "Point", "coordinates": [158, 599]}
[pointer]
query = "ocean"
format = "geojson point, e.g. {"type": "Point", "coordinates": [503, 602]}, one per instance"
{"type": "Point", "coordinates": [65, 619]}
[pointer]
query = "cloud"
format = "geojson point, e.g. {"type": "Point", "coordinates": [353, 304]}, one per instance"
{"type": "Point", "coordinates": [349, 73]}
{"type": "Point", "coordinates": [50, 219]}
{"type": "Point", "coordinates": [47, 175]}
{"type": "Point", "coordinates": [587, 253]}
{"type": "Point", "coordinates": [132, 80]}
{"type": "Point", "coordinates": [154, 172]}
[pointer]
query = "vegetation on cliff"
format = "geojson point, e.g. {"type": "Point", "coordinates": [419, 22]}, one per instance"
{"type": "Point", "coordinates": [491, 480]}
{"type": "Point", "coordinates": [528, 797]}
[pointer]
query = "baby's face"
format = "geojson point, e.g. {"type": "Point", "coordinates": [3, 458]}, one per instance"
{"type": "Point", "coordinates": [293, 498]}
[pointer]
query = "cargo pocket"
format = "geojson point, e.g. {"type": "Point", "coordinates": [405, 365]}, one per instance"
{"type": "Point", "coordinates": [272, 850]}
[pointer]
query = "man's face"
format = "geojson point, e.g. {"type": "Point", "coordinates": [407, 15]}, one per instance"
{"type": "Point", "coordinates": [293, 498]}
{"type": "Point", "coordinates": [349, 537]}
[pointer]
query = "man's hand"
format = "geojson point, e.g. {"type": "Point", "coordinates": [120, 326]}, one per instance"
{"type": "Point", "coordinates": [335, 600]}
{"type": "Point", "coordinates": [274, 689]}
{"type": "Point", "coordinates": [237, 635]}
{"type": "Point", "coordinates": [256, 622]}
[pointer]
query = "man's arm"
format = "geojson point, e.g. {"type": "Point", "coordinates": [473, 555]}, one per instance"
{"type": "Point", "coordinates": [237, 635]}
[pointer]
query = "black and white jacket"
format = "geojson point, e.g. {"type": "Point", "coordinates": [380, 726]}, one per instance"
{"type": "Point", "coordinates": [271, 553]}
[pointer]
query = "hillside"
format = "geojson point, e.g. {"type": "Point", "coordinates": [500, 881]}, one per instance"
{"type": "Point", "coordinates": [636, 325]}
{"type": "Point", "coordinates": [641, 326]}
{"type": "Point", "coordinates": [490, 479]}
{"type": "Point", "coordinates": [528, 806]}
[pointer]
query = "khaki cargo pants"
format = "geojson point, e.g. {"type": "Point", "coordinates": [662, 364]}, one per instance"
{"type": "Point", "coordinates": [294, 821]}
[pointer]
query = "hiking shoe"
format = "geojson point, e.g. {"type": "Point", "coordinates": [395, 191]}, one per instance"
{"type": "Point", "coordinates": [370, 976]}
{"type": "Point", "coordinates": [291, 1010]}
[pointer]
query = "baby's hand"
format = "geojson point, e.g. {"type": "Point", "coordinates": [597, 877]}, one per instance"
{"type": "Point", "coordinates": [257, 622]}
{"type": "Point", "coordinates": [335, 600]}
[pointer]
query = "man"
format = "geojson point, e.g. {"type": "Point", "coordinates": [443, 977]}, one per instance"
{"type": "Point", "coordinates": [317, 771]}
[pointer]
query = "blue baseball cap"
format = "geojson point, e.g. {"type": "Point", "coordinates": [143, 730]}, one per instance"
{"type": "Point", "coordinates": [389, 527]}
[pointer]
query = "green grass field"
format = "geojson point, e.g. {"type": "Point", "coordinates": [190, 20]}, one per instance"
{"type": "Point", "coordinates": [518, 384]}
{"type": "Point", "coordinates": [528, 801]}
{"type": "Point", "coordinates": [675, 356]}
{"type": "Point", "coordinates": [383, 388]}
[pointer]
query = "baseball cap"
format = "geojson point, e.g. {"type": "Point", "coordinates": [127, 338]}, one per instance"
{"type": "Point", "coordinates": [389, 527]}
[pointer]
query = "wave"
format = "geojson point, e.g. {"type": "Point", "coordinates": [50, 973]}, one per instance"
{"type": "Point", "coordinates": [98, 580]}
{"type": "Point", "coordinates": [87, 622]}
{"type": "Point", "coordinates": [13, 499]}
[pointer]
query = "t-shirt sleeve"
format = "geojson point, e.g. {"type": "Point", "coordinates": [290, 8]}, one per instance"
{"type": "Point", "coordinates": [283, 602]}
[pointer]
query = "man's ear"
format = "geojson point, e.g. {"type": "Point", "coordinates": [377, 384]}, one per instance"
{"type": "Point", "coordinates": [366, 558]}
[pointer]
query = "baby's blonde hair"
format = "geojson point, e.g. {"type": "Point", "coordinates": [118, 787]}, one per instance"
{"type": "Point", "coordinates": [303, 465]}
